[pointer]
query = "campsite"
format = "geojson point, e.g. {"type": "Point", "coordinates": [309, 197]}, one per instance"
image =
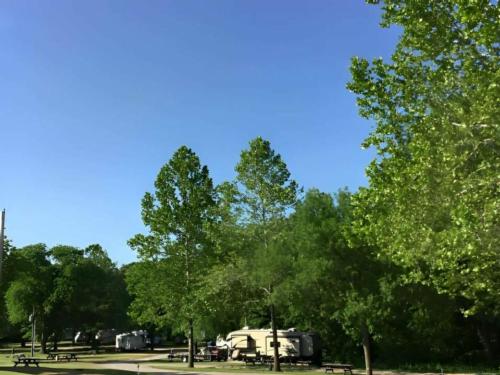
{"type": "Point", "coordinates": [245, 186]}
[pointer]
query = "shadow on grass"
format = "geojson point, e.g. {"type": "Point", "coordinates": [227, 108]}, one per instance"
{"type": "Point", "coordinates": [61, 371]}
{"type": "Point", "coordinates": [87, 371]}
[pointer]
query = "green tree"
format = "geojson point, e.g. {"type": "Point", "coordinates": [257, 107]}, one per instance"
{"type": "Point", "coordinates": [88, 291]}
{"type": "Point", "coordinates": [68, 288]}
{"type": "Point", "coordinates": [30, 290]}
{"type": "Point", "coordinates": [62, 311]}
{"type": "Point", "coordinates": [432, 204]}
{"type": "Point", "coordinates": [350, 287]}
{"type": "Point", "coordinates": [9, 272]}
{"type": "Point", "coordinates": [266, 193]}
{"type": "Point", "coordinates": [177, 216]}
{"type": "Point", "coordinates": [359, 299]}
{"type": "Point", "coordinates": [228, 297]}
{"type": "Point", "coordinates": [148, 289]}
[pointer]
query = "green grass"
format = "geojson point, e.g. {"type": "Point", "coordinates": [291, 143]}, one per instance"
{"type": "Point", "coordinates": [230, 367]}
{"type": "Point", "coordinates": [89, 364]}
{"type": "Point", "coordinates": [448, 368]}
{"type": "Point", "coordinates": [86, 364]}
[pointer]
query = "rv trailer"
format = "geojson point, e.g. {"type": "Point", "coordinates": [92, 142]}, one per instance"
{"type": "Point", "coordinates": [135, 340]}
{"type": "Point", "coordinates": [254, 344]}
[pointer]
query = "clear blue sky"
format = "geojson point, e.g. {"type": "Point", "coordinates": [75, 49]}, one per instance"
{"type": "Point", "coordinates": [95, 96]}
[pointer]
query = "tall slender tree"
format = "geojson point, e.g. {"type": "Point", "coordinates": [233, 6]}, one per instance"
{"type": "Point", "coordinates": [30, 291]}
{"type": "Point", "coordinates": [266, 192]}
{"type": "Point", "coordinates": [177, 215]}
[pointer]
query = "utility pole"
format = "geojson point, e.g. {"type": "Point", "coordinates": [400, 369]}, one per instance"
{"type": "Point", "coordinates": [33, 331]}
{"type": "Point", "coordinates": [2, 229]}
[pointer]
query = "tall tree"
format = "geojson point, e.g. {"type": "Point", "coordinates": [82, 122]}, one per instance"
{"type": "Point", "coordinates": [267, 192]}
{"type": "Point", "coordinates": [228, 296]}
{"type": "Point", "coordinates": [432, 204]}
{"type": "Point", "coordinates": [348, 284]}
{"type": "Point", "coordinates": [177, 216]}
{"type": "Point", "coordinates": [30, 290]}
{"type": "Point", "coordinates": [67, 287]}
{"type": "Point", "coordinates": [10, 271]}
{"type": "Point", "coordinates": [147, 287]}
{"type": "Point", "coordinates": [98, 299]}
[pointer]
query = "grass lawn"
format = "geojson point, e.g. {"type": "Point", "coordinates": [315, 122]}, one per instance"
{"type": "Point", "coordinates": [231, 367]}
{"type": "Point", "coordinates": [96, 365]}
{"type": "Point", "coordinates": [93, 364]}
{"type": "Point", "coordinates": [86, 364]}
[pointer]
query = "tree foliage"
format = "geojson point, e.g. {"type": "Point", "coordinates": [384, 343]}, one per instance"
{"type": "Point", "coordinates": [432, 204]}
{"type": "Point", "coordinates": [67, 288]}
{"type": "Point", "coordinates": [177, 246]}
{"type": "Point", "coordinates": [266, 193]}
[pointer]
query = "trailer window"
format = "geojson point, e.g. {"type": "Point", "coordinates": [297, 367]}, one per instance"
{"type": "Point", "coordinates": [272, 344]}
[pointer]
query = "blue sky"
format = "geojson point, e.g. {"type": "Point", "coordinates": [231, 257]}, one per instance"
{"type": "Point", "coordinates": [96, 95]}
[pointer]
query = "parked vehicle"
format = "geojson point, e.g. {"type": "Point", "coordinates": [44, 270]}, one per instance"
{"type": "Point", "coordinates": [81, 337]}
{"type": "Point", "coordinates": [106, 336]}
{"type": "Point", "coordinates": [211, 353]}
{"type": "Point", "coordinates": [134, 340]}
{"type": "Point", "coordinates": [255, 344]}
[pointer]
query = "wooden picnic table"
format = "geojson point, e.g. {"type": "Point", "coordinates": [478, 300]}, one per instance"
{"type": "Point", "coordinates": [61, 356]}
{"type": "Point", "coordinates": [303, 363]}
{"type": "Point", "coordinates": [27, 361]}
{"type": "Point", "coordinates": [329, 367]}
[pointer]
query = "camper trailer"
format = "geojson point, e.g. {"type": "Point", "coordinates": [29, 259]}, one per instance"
{"type": "Point", "coordinates": [135, 340]}
{"type": "Point", "coordinates": [258, 343]}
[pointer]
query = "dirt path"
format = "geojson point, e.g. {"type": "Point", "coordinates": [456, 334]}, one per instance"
{"type": "Point", "coordinates": [146, 369]}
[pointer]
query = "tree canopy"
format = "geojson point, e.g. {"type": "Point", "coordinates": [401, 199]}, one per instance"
{"type": "Point", "coordinates": [432, 202]}
{"type": "Point", "coordinates": [177, 215]}
{"type": "Point", "coordinates": [66, 288]}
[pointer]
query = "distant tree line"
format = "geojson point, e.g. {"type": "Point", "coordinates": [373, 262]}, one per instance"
{"type": "Point", "coordinates": [66, 288]}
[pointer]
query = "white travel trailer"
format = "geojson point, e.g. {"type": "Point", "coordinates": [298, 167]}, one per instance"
{"type": "Point", "coordinates": [254, 343]}
{"type": "Point", "coordinates": [135, 340]}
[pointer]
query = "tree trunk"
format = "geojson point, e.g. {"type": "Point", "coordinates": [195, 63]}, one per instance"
{"type": "Point", "coordinates": [190, 322]}
{"type": "Point", "coordinates": [485, 335]}
{"type": "Point", "coordinates": [55, 342]}
{"type": "Point", "coordinates": [151, 330]}
{"type": "Point", "coordinates": [190, 345]}
{"type": "Point", "coordinates": [276, 366]}
{"type": "Point", "coordinates": [43, 343]}
{"type": "Point", "coordinates": [367, 350]}
{"type": "Point", "coordinates": [94, 343]}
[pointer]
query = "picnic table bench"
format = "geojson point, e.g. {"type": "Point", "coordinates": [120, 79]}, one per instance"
{"type": "Point", "coordinates": [27, 361]}
{"type": "Point", "coordinates": [303, 363]}
{"type": "Point", "coordinates": [261, 359]}
{"type": "Point", "coordinates": [61, 356]}
{"type": "Point", "coordinates": [171, 356]}
{"type": "Point", "coordinates": [184, 357]}
{"type": "Point", "coordinates": [329, 367]}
